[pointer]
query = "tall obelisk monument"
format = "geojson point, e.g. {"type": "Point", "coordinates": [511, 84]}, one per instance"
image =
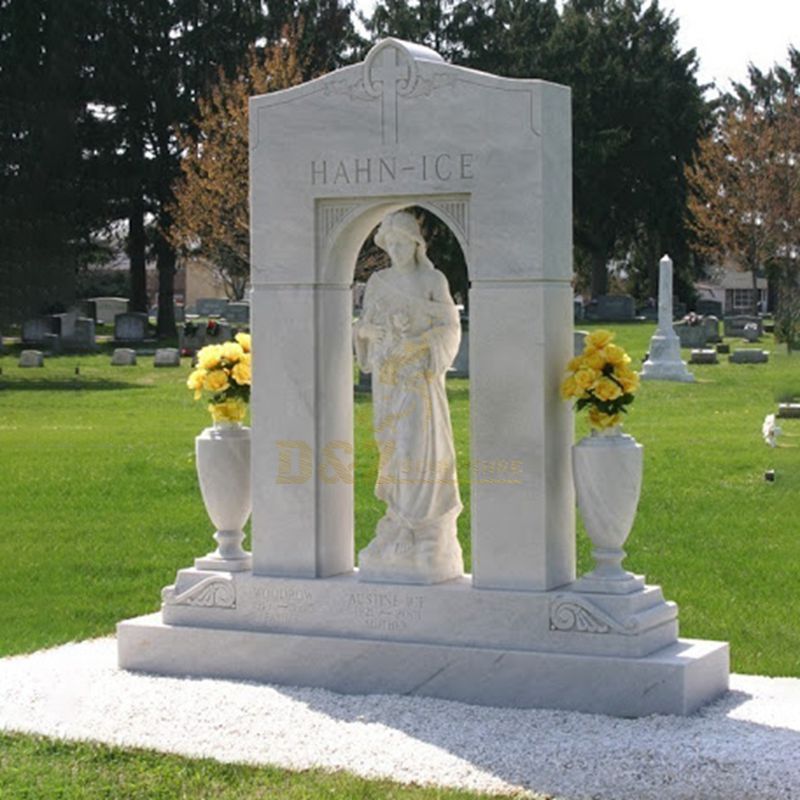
{"type": "Point", "coordinates": [664, 362]}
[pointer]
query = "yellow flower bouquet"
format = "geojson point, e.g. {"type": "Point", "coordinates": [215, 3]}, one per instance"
{"type": "Point", "coordinates": [601, 379]}
{"type": "Point", "coordinates": [223, 374]}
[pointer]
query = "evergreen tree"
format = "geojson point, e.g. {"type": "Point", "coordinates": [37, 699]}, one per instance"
{"type": "Point", "coordinates": [48, 193]}
{"type": "Point", "coordinates": [326, 37]}
{"type": "Point", "coordinates": [637, 114]}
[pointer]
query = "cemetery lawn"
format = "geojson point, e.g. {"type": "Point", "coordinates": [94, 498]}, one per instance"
{"type": "Point", "coordinates": [37, 768]}
{"type": "Point", "coordinates": [101, 506]}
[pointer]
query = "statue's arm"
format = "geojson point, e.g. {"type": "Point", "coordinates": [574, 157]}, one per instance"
{"type": "Point", "coordinates": [440, 288]}
{"type": "Point", "coordinates": [445, 335]}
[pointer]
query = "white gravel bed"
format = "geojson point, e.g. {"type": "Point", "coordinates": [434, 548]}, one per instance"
{"type": "Point", "coordinates": [742, 747]}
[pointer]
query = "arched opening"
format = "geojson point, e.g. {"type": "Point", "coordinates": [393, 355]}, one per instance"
{"type": "Point", "coordinates": [445, 251]}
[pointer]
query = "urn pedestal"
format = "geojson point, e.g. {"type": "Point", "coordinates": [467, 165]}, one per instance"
{"type": "Point", "coordinates": [607, 470]}
{"type": "Point", "coordinates": [223, 470]}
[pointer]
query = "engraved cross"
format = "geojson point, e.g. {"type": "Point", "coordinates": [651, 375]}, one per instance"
{"type": "Point", "coordinates": [389, 73]}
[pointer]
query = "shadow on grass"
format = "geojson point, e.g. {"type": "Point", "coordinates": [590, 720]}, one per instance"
{"type": "Point", "coordinates": [77, 385]}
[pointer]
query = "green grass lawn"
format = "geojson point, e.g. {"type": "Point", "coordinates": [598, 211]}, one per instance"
{"type": "Point", "coordinates": [101, 506]}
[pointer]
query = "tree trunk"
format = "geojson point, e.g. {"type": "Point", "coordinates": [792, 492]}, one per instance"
{"type": "Point", "coordinates": [599, 274]}
{"type": "Point", "coordinates": [755, 290]}
{"type": "Point", "coordinates": [165, 264]}
{"type": "Point", "coordinates": [136, 254]}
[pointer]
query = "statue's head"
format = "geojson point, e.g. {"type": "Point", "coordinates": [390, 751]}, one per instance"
{"type": "Point", "coordinates": [403, 224]}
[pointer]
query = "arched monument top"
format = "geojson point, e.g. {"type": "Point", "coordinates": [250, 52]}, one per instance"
{"type": "Point", "coordinates": [491, 154]}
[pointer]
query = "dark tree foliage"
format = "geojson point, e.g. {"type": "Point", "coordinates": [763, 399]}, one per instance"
{"type": "Point", "coordinates": [94, 94]}
{"type": "Point", "coordinates": [327, 37]}
{"type": "Point", "coordinates": [48, 181]}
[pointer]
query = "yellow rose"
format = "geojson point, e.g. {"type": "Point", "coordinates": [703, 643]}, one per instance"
{"type": "Point", "coordinates": [598, 339]}
{"type": "Point", "coordinates": [569, 388]}
{"type": "Point", "coordinates": [598, 419]}
{"type": "Point", "coordinates": [596, 359]}
{"type": "Point", "coordinates": [244, 341]}
{"type": "Point", "coordinates": [216, 381]}
{"type": "Point", "coordinates": [232, 352]}
{"type": "Point", "coordinates": [195, 380]}
{"type": "Point", "coordinates": [628, 378]}
{"type": "Point", "coordinates": [241, 373]}
{"type": "Point", "coordinates": [585, 377]}
{"type": "Point", "coordinates": [605, 389]}
{"type": "Point", "coordinates": [616, 355]}
{"type": "Point", "coordinates": [210, 356]}
{"type": "Point", "coordinates": [575, 364]}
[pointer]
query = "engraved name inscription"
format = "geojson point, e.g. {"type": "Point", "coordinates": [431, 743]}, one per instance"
{"type": "Point", "coordinates": [385, 611]}
{"type": "Point", "coordinates": [283, 604]}
{"type": "Point", "coordinates": [437, 167]}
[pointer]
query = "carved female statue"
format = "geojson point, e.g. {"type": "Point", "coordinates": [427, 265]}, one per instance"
{"type": "Point", "coordinates": [407, 337]}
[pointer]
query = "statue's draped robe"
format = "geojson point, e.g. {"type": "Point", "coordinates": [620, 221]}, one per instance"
{"type": "Point", "coordinates": [411, 417]}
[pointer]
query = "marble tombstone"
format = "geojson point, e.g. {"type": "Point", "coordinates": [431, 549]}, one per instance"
{"type": "Point", "coordinates": [491, 158]}
{"type": "Point", "coordinates": [664, 361]}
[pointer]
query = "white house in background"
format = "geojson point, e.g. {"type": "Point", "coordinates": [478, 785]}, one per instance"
{"type": "Point", "coordinates": [734, 289]}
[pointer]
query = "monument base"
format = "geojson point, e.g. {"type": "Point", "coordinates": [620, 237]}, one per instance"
{"type": "Point", "coordinates": [674, 680]}
{"type": "Point", "coordinates": [611, 654]}
{"type": "Point", "coordinates": [664, 362]}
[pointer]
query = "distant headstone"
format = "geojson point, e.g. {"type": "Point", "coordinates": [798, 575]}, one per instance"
{"type": "Point", "coordinates": [196, 334]}
{"type": "Point", "coordinates": [648, 312]}
{"type": "Point", "coordinates": [180, 313]}
{"type": "Point", "coordinates": [131, 326]}
{"type": "Point", "coordinates": [577, 310]}
{"type": "Point", "coordinates": [211, 306]}
{"type": "Point", "coordinates": [703, 357]}
{"type": "Point", "coordinates": [734, 326]}
{"type": "Point", "coordinates": [31, 358]}
{"type": "Point", "coordinates": [579, 341]}
{"type": "Point", "coordinates": [167, 357]}
{"type": "Point", "coordinates": [364, 385]}
{"type": "Point", "coordinates": [123, 357]}
{"type": "Point", "coordinates": [106, 309]}
{"type": "Point", "coordinates": [750, 332]}
{"type": "Point", "coordinates": [51, 342]}
{"type": "Point", "coordinates": [790, 410]}
{"type": "Point", "coordinates": [83, 336]}
{"type": "Point", "coordinates": [191, 336]}
{"type": "Point", "coordinates": [711, 324]}
{"type": "Point", "coordinates": [749, 357]}
{"type": "Point", "coordinates": [64, 324]}
{"type": "Point", "coordinates": [691, 335]}
{"type": "Point", "coordinates": [35, 329]}
{"type": "Point", "coordinates": [613, 308]}
{"type": "Point", "coordinates": [706, 308]}
{"type": "Point", "coordinates": [238, 313]}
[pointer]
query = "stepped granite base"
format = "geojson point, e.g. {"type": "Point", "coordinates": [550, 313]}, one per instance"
{"type": "Point", "coordinates": [613, 654]}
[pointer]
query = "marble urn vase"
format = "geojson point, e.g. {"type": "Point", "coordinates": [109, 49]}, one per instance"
{"type": "Point", "coordinates": [223, 469]}
{"type": "Point", "coordinates": [607, 470]}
